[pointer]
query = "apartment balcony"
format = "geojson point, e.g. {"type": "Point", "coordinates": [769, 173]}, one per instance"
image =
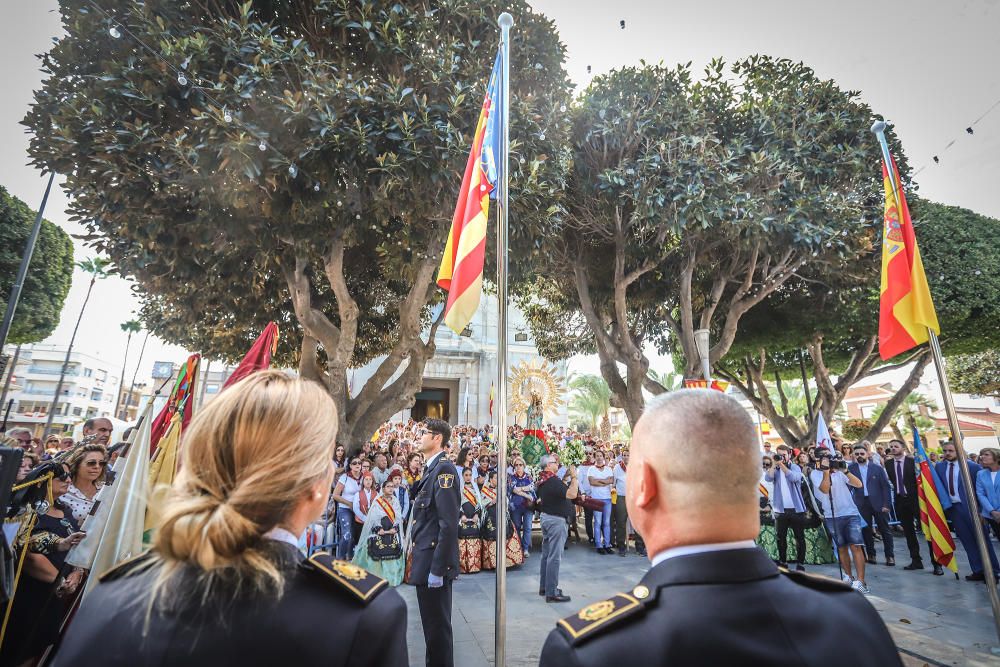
{"type": "Point", "coordinates": [36, 370]}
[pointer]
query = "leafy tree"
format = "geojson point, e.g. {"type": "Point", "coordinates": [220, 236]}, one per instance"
{"type": "Point", "coordinates": [98, 269]}
{"type": "Point", "coordinates": [689, 203]}
{"type": "Point", "coordinates": [833, 316]}
{"type": "Point", "coordinates": [590, 400]}
{"type": "Point", "coordinates": [295, 162]}
{"type": "Point", "coordinates": [975, 373]}
{"type": "Point", "coordinates": [49, 274]}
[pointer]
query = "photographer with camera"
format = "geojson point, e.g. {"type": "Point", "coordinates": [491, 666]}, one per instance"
{"type": "Point", "coordinates": [789, 506]}
{"type": "Point", "coordinates": [841, 516]}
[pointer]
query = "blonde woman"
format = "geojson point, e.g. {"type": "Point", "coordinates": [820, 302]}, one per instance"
{"type": "Point", "coordinates": [87, 466]}
{"type": "Point", "coordinates": [225, 583]}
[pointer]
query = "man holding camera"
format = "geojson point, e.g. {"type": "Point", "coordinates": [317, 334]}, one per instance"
{"type": "Point", "coordinates": [841, 516]}
{"type": "Point", "coordinates": [873, 500]}
{"type": "Point", "coordinates": [789, 506]}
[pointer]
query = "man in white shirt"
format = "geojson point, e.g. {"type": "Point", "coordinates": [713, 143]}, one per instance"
{"type": "Point", "coordinates": [833, 482]}
{"type": "Point", "coordinates": [619, 512]}
{"type": "Point", "coordinates": [600, 477]}
{"type": "Point", "coordinates": [692, 485]}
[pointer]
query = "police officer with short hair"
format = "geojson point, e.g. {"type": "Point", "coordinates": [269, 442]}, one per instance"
{"type": "Point", "coordinates": [712, 597]}
{"type": "Point", "coordinates": [434, 541]}
{"type": "Point", "coordinates": [225, 583]}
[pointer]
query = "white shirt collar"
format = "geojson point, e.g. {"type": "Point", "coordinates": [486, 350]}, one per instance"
{"type": "Point", "coordinates": [432, 459]}
{"type": "Point", "coordinates": [689, 549]}
{"type": "Point", "coordinates": [279, 534]}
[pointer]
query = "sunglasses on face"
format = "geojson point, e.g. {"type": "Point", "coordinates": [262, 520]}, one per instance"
{"type": "Point", "coordinates": [355, 463]}
{"type": "Point", "coordinates": [24, 441]}
{"type": "Point", "coordinates": [95, 463]}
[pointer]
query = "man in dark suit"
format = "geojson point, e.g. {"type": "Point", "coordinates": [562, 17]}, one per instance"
{"type": "Point", "coordinates": [902, 472]}
{"type": "Point", "coordinates": [961, 515]}
{"type": "Point", "coordinates": [712, 596]}
{"type": "Point", "coordinates": [873, 500]}
{"type": "Point", "coordinates": [434, 541]}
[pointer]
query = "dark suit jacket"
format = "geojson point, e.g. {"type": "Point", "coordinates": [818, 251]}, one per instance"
{"type": "Point", "coordinates": [879, 493]}
{"type": "Point", "coordinates": [436, 502]}
{"type": "Point", "coordinates": [725, 608]}
{"type": "Point", "coordinates": [331, 613]}
{"type": "Point", "coordinates": [909, 476]}
{"type": "Point", "coordinates": [942, 470]}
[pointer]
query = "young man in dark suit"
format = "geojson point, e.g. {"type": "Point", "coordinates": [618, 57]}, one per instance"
{"type": "Point", "coordinates": [902, 472]}
{"type": "Point", "coordinates": [960, 514]}
{"type": "Point", "coordinates": [873, 501]}
{"type": "Point", "coordinates": [434, 542]}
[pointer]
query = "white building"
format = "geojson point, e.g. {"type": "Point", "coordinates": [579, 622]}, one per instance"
{"type": "Point", "coordinates": [457, 380]}
{"type": "Point", "coordinates": [89, 388]}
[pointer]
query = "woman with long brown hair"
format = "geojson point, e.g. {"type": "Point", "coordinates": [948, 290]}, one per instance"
{"type": "Point", "coordinates": [226, 583]}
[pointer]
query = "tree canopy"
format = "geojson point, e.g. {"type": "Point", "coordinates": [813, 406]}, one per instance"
{"type": "Point", "coordinates": [689, 202]}
{"type": "Point", "coordinates": [976, 373]}
{"type": "Point", "coordinates": [49, 275]}
{"type": "Point", "coordinates": [296, 162]}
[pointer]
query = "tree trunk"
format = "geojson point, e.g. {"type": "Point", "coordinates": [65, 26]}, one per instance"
{"type": "Point", "coordinates": [119, 411]}
{"type": "Point", "coordinates": [69, 351]}
{"type": "Point", "coordinates": [889, 411]}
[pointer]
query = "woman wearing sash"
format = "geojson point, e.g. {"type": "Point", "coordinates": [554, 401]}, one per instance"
{"type": "Point", "coordinates": [380, 545]}
{"type": "Point", "coordinates": [470, 544]}
{"type": "Point", "coordinates": [512, 548]}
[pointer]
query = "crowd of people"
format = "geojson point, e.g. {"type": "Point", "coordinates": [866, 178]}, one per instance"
{"type": "Point", "coordinates": [839, 502]}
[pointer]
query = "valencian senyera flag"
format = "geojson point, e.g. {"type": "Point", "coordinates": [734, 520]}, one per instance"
{"type": "Point", "coordinates": [461, 271]}
{"type": "Point", "coordinates": [933, 503]}
{"type": "Point", "coordinates": [905, 307]}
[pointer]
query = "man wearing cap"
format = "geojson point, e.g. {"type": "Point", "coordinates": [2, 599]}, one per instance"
{"type": "Point", "coordinates": [712, 597]}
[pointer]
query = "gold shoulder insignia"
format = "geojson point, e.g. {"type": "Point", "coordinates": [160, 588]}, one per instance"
{"type": "Point", "coordinates": [593, 618]}
{"type": "Point", "coordinates": [361, 583]}
{"type": "Point", "coordinates": [446, 480]}
{"type": "Point", "coordinates": [126, 567]}
{"type": "Point", "coordinates": [815, 581]}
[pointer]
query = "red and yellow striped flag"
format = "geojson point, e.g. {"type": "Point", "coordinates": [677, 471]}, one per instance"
{"type": "Point", "coordinates": [906, 310]}
{"type": "Point", "coordinates": [932, 518]}
{"type": "Point", "coordinates": [461, 271]}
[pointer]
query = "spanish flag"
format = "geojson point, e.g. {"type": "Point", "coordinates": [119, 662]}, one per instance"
{"type": "Point", "coordinates": [461, 271]}
{"type": "Point", "coordinates": [905, 307]}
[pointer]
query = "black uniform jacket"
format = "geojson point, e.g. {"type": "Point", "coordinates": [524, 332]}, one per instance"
{"type": "Point", "coordinates": [331, 613]}
{"type": "Point", "coordinates": [725, 608]}
{"type": "Point", "coordinates": [434, 538]}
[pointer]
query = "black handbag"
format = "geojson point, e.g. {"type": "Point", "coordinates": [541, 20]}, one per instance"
{"type": "Point", "coordinates": [385, 547]}
{"type": "Point", "coordinates": [468, 529]}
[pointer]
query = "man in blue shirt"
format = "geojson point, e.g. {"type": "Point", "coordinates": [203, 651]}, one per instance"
{"type": "Point", "coordinates": [789, 506]}
{"type": "Point", "coordinates": [873, 500]}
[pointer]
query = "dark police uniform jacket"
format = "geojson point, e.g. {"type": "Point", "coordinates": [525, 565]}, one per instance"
{"type": "Point", "coordinates": [434, 538]}
{"type": "Point", "coordinates": [331, 613]}
{"type": "Point", "coordinates": [725, 608]}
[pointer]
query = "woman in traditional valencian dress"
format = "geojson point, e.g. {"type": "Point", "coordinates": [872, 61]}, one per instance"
{"type": "Point", "coordinates": [470, 545]}
{"type": "Point", "coordinates": [380, 546]}
{"type": "Point", "coordinates": [512, 546]}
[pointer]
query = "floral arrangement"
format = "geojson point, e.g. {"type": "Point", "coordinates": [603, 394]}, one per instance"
{"type": "Point", "coordinates": [572, 453]}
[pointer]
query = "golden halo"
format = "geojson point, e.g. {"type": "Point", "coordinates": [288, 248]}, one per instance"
{"type": "Point", "coordinates": [536, 376]}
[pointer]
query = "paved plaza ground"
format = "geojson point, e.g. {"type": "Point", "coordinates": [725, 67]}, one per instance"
{"type": "Point", "coordinates": [934, 620]}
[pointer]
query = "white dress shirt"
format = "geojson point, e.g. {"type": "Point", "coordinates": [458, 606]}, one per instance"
{"type": "Point", "coordinates": [689, 549]}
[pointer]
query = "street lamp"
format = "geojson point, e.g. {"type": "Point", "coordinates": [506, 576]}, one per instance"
{"type": "Point", "coordinates": [701, 342]}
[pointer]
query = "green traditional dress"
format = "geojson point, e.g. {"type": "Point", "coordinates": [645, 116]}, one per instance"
{"type": "Point", "coordinates": [384, 514]}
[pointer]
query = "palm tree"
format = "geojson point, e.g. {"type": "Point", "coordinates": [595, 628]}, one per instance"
{"type": "Point", "coordinates": [670, 380]}
{"type": "Point", "coordinates": [591, 399]}
{"type": "Point", "coordinates": [911, 410]}
{"type": "Point", "coordinates": [130, 327]}
{"type": "Point", "coordinates": [97, 268]}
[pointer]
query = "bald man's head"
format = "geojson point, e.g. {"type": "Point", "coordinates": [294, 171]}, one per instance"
{"type": "Point", "coordinates": [702, 445]}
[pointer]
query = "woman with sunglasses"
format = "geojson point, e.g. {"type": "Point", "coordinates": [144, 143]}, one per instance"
{"type": "Point", "coordinates": [42, 596]}
{"type": "Point", "coordinates": [87, 466]}
{"type": "Point", "coordinates": [344, 493]}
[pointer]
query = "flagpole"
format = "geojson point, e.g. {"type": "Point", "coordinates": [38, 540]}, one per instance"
{"type": "Point", "coordinates": [949, 406]}
{"type": "Point", "coordinates": [506, 22]}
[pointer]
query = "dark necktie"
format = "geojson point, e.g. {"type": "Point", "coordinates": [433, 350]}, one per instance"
{"type": "Point", "coordinates": [951, 478]}
{"type": "Point", "coordinates": [899, 478]}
